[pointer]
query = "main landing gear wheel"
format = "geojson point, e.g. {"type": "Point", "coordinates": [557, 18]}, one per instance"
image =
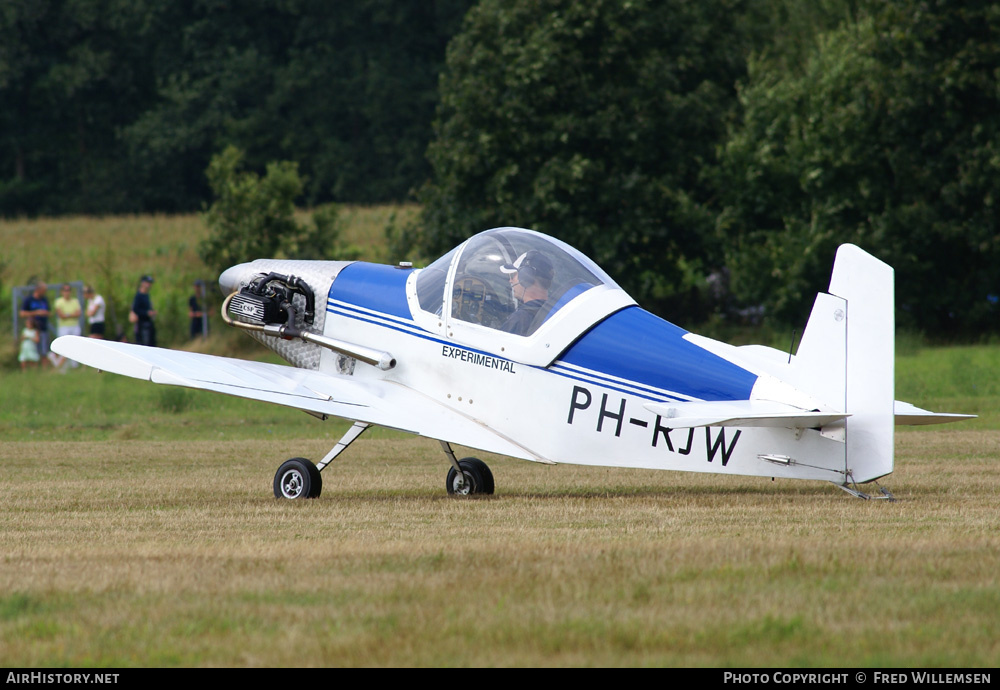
{"type": "Point", "coordinates": [476, 478]}
{"type": "Point", "coordinates": [297, 478]}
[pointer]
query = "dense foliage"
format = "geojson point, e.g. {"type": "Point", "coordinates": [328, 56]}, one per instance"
{"type": "Point", "coordinates": [617, 127]}
{"type": "Point", "coordinates": [683, 145]}
{"type": "Point", "coordinates": [887, 138]}
{"type": "Point", "coordinates": [118, 105]}
{"type": "Point", "coordinates": [593, 122]}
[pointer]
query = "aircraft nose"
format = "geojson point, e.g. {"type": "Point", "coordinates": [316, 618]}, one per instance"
{"type": "Point", "coordinates": [233, 277]}
{"type": "Point", "coordinates": [319, 275]}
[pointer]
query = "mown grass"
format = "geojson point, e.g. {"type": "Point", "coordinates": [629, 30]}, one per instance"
{"type": "Point", "coordinates": [137, 528]}
{"type": "Point", "coordinates": [962, 379]}
{"type": "Point", "coordinates": [86, 405]}
{"type": "Point", "coordinates": [134, 553]}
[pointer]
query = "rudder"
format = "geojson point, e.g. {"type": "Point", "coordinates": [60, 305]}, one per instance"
{"type": "Point", "coordinates": [847, 358]}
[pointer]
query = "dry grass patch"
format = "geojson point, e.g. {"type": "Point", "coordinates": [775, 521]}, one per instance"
{"type": "Point", "coordinates": [161, 553]}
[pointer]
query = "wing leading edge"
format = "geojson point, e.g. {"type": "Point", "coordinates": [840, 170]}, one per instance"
{"type": "Point", "coordinates": [383, 403]}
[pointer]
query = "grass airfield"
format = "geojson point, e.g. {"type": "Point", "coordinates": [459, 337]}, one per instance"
{"type": "Point", "coordinates": [153, 539]}
{"type": "Point", "coordinates": [138, 527]}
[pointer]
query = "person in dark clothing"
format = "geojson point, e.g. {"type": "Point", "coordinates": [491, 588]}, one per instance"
{"type": "Point", "coordinates": [196, 312]}
{"type": "Point", "coordinates": [142, 314]}
{"type": "Point", "coordinates": [36, 305]}
{"type": "Point", "coordinates": [530, 279]}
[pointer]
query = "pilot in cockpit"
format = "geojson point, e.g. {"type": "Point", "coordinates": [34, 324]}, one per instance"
{"type": "Point", "coordinates": [530, 279]}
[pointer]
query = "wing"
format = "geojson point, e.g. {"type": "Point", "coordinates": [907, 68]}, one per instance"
{"type": "Point", "coordinates": [377, 402]}
{"type": "Point", "coordinates": [764, 413]}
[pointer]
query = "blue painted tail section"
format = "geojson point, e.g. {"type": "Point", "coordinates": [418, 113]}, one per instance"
{"type": "Point", "coordinates": [651, 355]}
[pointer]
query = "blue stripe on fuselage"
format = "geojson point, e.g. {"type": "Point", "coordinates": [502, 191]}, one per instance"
{"type": "Point", "coordinates": [636, 346]}
{"type": "Point", "coordinates": [373, 286]}
{"type": "Point", "coordinates": [647, 355]}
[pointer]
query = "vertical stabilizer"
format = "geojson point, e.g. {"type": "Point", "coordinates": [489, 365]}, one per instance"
{"type": "Point", "coordinates": [846, 363]}
{"type": "Point", "coordinates": [867, 285]}
{"type": "Point", "coordinates": [820, 366]}
{"type": "Point", "coordinates": [847, 358]}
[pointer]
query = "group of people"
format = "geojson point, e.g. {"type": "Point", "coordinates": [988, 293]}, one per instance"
{"type": "Point", "coordinates": [35, 310]}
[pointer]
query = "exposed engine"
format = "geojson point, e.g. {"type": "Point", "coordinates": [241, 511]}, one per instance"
{"type": "Point", "coordinates": [276, 307]}
{"type": "Point", "coordinates": [268, 300]}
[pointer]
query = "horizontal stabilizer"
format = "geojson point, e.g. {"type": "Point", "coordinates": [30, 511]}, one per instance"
{"type": "Point", "coordinates": [913, 415]}
{"type": "Point", "coordinates": [745, 413]}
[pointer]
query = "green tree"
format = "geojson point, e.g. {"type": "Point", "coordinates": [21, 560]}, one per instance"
{"type": "Point", "coordinates": [346, 89]}
{"type": "Point", "coordinates": [783, 33]}
{"type": "Point", "coordinates": [118, 105]}
{"type": "Point", "coordinates": [592, 122]}
{"type": "Point", "coordinates": [71, 74]}
{"type": "Point", "coordinates": [886, 138]}
{"type": "Point", "coordinates": [354, 100]}
{"type": "Point", "coordinates": [253, 217]}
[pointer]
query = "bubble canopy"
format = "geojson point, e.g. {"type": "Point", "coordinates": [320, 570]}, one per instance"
{"type": "Point", "coordinates": [516, 286]}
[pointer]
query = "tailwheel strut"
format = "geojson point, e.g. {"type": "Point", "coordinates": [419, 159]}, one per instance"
{"type": "Point", "coordinates": [855, 491]}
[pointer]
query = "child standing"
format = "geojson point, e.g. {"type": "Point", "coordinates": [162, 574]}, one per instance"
{"type": "Point", "coordinates": [28, 355]}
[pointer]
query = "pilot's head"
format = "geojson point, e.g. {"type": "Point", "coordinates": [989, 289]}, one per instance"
{"type": "Point", "coordinates": [532, 268]}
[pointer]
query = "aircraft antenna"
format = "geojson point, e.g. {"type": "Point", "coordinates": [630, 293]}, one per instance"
{"type": "Point", "coordinates": [791, 347]}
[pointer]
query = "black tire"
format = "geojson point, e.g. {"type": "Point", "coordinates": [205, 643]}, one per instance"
{"type": "Point", "coordinates": [478, 478]}
{"type": "Point", "coordinates": [297, 478]}
{"type": "Point", "coordinates": [315, 478]}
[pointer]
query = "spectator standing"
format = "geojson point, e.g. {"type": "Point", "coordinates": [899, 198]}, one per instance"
{"type": "Point", "coordinates": [68, 311]}
{"type": "Point", "coordinates": [196, 311]}
{"type": "Point", "coordinates": [28, 353]}
{"type": "Point", "coordinates": [36, 305]}
{"type": "Point", "coordinates": [95, 312]}
{"type": "Point", "coordinates": [142, 314]}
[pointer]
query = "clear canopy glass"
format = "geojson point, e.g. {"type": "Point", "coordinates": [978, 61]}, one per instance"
{"type": "Point", "coordinates": [508, 279]}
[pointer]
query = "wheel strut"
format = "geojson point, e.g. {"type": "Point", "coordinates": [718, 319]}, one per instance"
{"type": "Point", "coordinates": [299, 478]}
{"type": "Point", "coordinates": [347, 439]}
{"type": "Point", "coordinates": [446, 447]}
{"type": "Point", "coordinates": [468, 475]}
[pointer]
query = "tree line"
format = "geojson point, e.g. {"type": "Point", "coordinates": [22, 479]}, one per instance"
{"type": "Point", "coordinates": [114, 106]}
{"type": "Point", "coordinates": [710, 155]}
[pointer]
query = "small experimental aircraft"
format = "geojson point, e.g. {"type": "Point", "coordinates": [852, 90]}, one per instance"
{"type": "Point", "coordinates": [517, 344]}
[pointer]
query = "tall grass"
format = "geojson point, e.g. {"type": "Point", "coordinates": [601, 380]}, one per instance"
{"type": "Point", "coordinates": [113, 253]}
{"type": "Point", "coordinates": [963, 379]}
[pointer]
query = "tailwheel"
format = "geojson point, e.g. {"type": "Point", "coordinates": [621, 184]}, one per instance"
{"type": "Point", "coordinates": [297, 478]}
{"type": "Point", "coordinates": [476, 478]}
